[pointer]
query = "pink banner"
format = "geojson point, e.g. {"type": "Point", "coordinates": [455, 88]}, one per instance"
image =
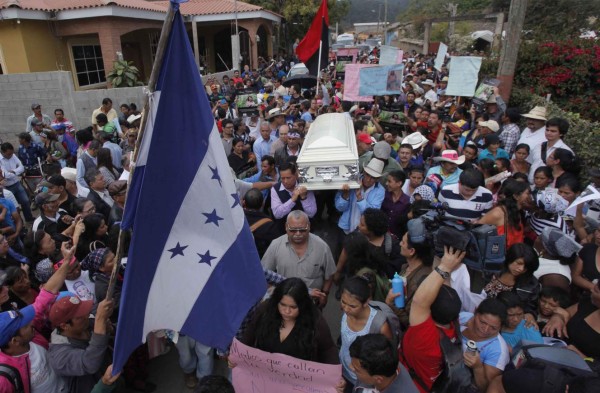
{"type": "Point", "coordinates": [352, 83]}
{"type": "Point", "coordinates": [257, 371]}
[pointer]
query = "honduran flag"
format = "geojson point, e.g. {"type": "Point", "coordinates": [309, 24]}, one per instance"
{"type": "Point", "coordinates": [318, 34]}
{"type": "Point", "coordinates": [192, 264]}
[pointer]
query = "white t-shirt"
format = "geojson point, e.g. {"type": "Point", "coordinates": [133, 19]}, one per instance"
{"type": "Point", "coordinates": [42, 377]}
{"type": "Point", "coordinates": [83, 287]}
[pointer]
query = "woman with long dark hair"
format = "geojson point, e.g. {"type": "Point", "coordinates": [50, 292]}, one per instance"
{"type": "Point", "coordinates": [517, 276]}
{"type": "Point", "coordinates": [94, 235]}
{"type": "Point", "coordinates": [291, 324]}
{"type": "Point", "coordinates": [507, 215]}
{"type": "Point", "coordinates": [563, 161]}
{"type": "Point", "coordinates": [105, 166]}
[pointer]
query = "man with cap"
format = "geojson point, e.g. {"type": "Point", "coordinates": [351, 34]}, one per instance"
{"type": "Point", "coordinates": [495, 106]}
{"type": "Point", "coordinates": [381, 151]}
{"type": "Point", "coordinates": [535, 132]}
{"type": "Point", "coordinates": [448, 169]}
{"type": "Point", "coordinates": [430, 94]}
{"type": "Point", "coordinates": [71, 185]}
{"type": "Point", "coordinates": [21, 344]}
{"type": "Point", "coordinates": [290, 149]}
{"type": "Point", "coordinates": [434, 308]}
{"type": "Point", "coordinates": [56, 184]}
{"type": "Point", "coordinates": [118, 191]}
{"type": "Point", "coordinates": [52, 219]}
{"type": "Point", "coordinates": [364, 143]}
{"type": "Point", "coordinates": [75, 353]}
{"type": "Point", "coordinates": [42, 118]}
{"type": "Point", "coordinates": [276, 118]}
{"type": "Point", "coordinates": [485, 128]}
{"type": "Point", "coordinates": [353, 203]}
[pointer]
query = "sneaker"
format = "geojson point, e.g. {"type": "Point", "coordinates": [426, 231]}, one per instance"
{"type": "Point", "coordinates": [190, 380]}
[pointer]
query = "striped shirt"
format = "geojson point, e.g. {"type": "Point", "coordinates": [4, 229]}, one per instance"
{"type": "Point", "coordinates": [466, 209]}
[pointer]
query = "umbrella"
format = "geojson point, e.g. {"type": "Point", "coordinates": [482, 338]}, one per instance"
{"type": "Point", "coordinates": [305, 81]}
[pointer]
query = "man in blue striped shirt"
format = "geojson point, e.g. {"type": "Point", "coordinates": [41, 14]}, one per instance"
{"type": "Point", "coordinates": [467, 200]}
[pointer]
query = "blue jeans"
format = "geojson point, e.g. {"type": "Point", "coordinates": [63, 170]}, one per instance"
{"type": "Point", "coordinates": [194, 356]}
{"type": "Point", "coordinates": [23, 199]}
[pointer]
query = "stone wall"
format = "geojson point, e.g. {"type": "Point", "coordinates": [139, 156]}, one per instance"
{"type": "Point", "coordinates": [55, 90]}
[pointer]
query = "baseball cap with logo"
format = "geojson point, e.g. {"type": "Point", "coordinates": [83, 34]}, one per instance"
{"type": "Point", "coordinates": [12, 321]}
{"type": "Point", "coordinates": [67, 308]}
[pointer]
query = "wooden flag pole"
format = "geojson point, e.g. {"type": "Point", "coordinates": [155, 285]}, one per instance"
{"type": "Point", "coordinates": [160, 54]}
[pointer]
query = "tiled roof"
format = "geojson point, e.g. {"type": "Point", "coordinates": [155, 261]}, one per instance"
{"type": "Point", "coordinates": [60, 5]}
{"type": "Point", "coordinates": [211, 7]}
{"type": "Point", "coordinates": [193, 7]}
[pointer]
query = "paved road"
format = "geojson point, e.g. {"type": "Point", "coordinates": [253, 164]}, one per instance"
{"type": "Point", "coordinates": [165, 372]}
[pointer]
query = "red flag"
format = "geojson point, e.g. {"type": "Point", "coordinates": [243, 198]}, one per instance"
{"type": "Point", "coordinates": [308, 49]}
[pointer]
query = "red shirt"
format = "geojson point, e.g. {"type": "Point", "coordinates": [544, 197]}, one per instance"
{"type": "Point", "coordinates": [422, 352]}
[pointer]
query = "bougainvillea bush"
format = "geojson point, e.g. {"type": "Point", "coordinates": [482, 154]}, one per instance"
{"type": "Point", "coordinates": [569, 70]}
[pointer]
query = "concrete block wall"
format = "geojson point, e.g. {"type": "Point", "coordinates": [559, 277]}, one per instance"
{"type": "Point", "coordinates": [53, 90]}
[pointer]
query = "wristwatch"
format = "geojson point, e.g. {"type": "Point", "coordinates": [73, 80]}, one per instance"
{"type": "Point", "coordinates": [445, 275]}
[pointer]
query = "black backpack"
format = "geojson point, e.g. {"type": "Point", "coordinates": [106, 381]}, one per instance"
{"type": "Point", "coordinates": [560, 365]}
{"type": "Point", "coordinates": [455, 376]}
{"type": "Point", "coordinates": [13, 376]}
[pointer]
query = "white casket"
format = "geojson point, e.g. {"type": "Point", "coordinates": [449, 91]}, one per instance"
{"type": "Point", "coordinates": [329, 157]}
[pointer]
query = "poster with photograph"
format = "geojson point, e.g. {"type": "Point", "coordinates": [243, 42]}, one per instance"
{"type": "Point", "coordinates": [246, 101]}
{"type": "Point", "coordinates": [484, 91]}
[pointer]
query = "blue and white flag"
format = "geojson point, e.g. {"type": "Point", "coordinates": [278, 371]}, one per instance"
{"type": "Point", "coordinates": [192, 264]}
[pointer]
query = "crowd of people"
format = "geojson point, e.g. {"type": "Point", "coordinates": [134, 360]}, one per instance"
{"type": "Point", "coordinates": [488, 165]}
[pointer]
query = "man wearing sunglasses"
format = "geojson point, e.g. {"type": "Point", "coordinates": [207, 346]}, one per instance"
{"type": "Point", "coordinates": [301, 254]}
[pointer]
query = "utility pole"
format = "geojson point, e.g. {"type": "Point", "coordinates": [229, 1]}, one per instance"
{"type": "Point", "coordinates": [510, 46]}
{"type": "Point", "coordinates": [452, 9]}
{"type": "Point", "coordinates": [385, 25]}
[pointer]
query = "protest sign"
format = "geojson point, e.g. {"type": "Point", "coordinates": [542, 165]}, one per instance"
{"type": "Point", "coordinates": [344, 56]}
{"type": "Point", "coordinates": [441, 56]}
{"type": "Point", "coordinates": [484, 92]}
{"type": "Point", "coordinates": [246, 101]}
{"type": "Point", "coordinates": [352, 83]}
{"type": "Point", "coordinates": [390, 55]}
{"type": "Point", "coordinates": [381, 80]}
{"type": "Point", "coordinates": [589, 194]}
{"type": "Point", "coordinates": [257, 371]}
{"type": "Point", "coordinates": [464, 71]}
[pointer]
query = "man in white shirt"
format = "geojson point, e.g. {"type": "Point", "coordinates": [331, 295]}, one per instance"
{"type": "Point", "coordinates": [430, 94]}
{"type": "Point", "coordinates": [534, 134]}
{"type": "Point", "coordinates": [556, 128]}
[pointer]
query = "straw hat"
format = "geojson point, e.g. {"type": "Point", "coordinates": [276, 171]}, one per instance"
{"type": "Point", "coordinates": [416, 140]}
{"type": "Point", "coordinates": [491, 124]}
{"type": "Point", "coordinates": [274, 113]}
{"type": "Point", "coordinates": [450, 156]}
{"type": "Point", "coordinates": [537, 113]}
{"type": "Point", "coordinates": [374, 168]}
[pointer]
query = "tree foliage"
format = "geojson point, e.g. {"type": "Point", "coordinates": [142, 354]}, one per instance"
{"type": "Point", "coordinates": [557, 18]}
{"type": "Point", "coordinates": [299, 14]}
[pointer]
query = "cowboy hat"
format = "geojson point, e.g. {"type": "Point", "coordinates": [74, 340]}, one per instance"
{"type": "Point", "coordinates": [374, 168]}
{"type": "Point", "coordinates": [428, 82]}
{"type": "Point", "coordinates": [274, 113]}
{"type": "Point", "coordinates": [416, 140]}
{"type": "Point", "coordinates": [537, 113]}
{"type": "Point", "coordinates": [450, 156]}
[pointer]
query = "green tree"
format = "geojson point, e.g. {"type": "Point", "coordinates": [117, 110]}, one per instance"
{"type": "Point", "coordinates": [299, 14]}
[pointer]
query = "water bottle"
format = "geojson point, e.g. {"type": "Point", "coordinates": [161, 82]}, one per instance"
{"type": "Point", "coordinates": [398, 287]}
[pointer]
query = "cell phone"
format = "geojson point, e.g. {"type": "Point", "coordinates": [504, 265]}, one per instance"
{"type": "Point", "coordinates": [366, 117]}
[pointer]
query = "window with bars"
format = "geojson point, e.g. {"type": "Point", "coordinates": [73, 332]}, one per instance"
{"type": "Point", "coordinates": [89, 66]}
{"type": "Point", "coordinates": [154, 37]}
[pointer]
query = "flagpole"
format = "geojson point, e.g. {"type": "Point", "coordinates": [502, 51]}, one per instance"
{"type": "Point", "coordinates": [319, 67]}
{"type": "Point", "coordinates": [158, 60]}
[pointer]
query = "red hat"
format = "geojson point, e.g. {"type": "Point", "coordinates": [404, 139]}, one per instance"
{"type": "Point", "coordinates": [364, 138]}
{"type": "Point", "coordinates": [69, 307]}
{"type": "Point", "coordinates": [338, 85]}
